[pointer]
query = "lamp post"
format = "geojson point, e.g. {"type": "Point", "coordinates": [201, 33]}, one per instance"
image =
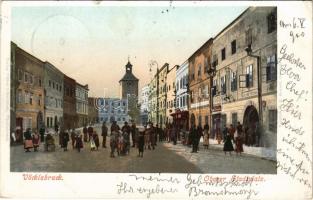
{"type": "Point", "coordinates": [249, 53]}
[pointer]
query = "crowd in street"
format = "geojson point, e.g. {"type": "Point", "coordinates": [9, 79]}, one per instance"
{"type": "Point", "coordinates": [143, 138]}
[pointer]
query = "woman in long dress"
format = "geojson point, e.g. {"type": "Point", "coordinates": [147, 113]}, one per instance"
{"type": "Point", "coordinates": [228, 145]}
{"type": "Point", "coordinates": [36, 140]}
{"type": "Point", "coordinates": [28, 143]}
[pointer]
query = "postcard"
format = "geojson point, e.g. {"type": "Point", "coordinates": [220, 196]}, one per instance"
{"type": "Point", "coordinates": [156, 100]}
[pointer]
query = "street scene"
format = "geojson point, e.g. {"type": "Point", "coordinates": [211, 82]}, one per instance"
{"type": "Point", "coordinates": [114, 95]}
{"type": "Point", "coordinates": [166, 158]}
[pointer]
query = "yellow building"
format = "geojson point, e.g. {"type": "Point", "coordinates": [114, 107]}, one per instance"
{"type": "Point", "coordinates": [30, 91]}
{"type": "Point", "coordinates": [170, 94]}
{"type": "Point", "coordinates": [244, 86]}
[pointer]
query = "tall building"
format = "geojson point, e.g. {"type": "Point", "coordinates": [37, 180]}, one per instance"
{"type": "Point", "coordinates": [153, 100]}
{"type": "Point", "coordinates": [129, 83]}
{"type": "Point", "coordinates": [181, 114]}
{"type": "Point", "coordinates": [53, 95]}
{"type": "Point", "coordinates": [199, 84]}
{"type": "Point", "coordinates": [82, 104]}
{"type": "Point", "coordinates": [170, 93]}
{"type": "Point", "coordinates": [30, 91]}
{"type": "Point", "coordinates": [245, 66]}
{"type": "Point", "coordinates": [144, 104]}
{"type": "Point", "coordinates": [69, 108]}
{"type": "Point", "coordinates": [162, 95]}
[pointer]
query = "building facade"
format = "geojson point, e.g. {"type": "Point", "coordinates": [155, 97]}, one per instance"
{"type": "Point", "coordinates": [153, 100]}
{"type": "Point", "coordinates": [199, 85]}
{"type": "Point", "coordinates": [53, 96]}
{"type": "Point", "coordinates": [181, 87]}
{"type": "Point", "coordinates": [30, 91]}
{"type": "Point", "coordinates": [245, 82]}
{"type": "Point", "coordinates": [144, 104]}
{"type": "Point", "coordinates": [112, 109]}
{"type": "Point", "coordinates": [162, 95]}
{"type": "Point", "coordinates": [170, 93]}
{"type": "Point", "coordinates": [69, 108]}
{"type": "Point", "coordinates": [82, 104]}
{"type": "Point", "coordinates": [93, 115]}
{"type": "Point", "coordinates": [13, 88]}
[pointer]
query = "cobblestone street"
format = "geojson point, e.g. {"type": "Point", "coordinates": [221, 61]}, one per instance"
{"type": "Point", "coordinates": [166, 158]}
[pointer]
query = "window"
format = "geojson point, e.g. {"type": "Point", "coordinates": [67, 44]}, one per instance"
{"type": "Point", "coordinates": [234, 119]}
{"type": "Point", "coordinates": [223, 52]}
{"type": "Point", "coordinates": [271, 70]}
{"type": "Point", "coordinates": [19, 97]}
{"type": "Point", "coordinates": [26, 98]}
{"type": "Point", "coordinates": [20, 75]}
{"type": "Point", "coordinates": [233, 47]}
{"type": "Point", "coordinates": [27, 123]}
{"type": "Point", "coordinates": [39, 100]}
{"type": "Point", "coordinates": [25, 77]}
{"type": "Point", "coordinates": [206, 65]}
{"type": "Point", "coordinates": [272, 120]}
{"type": "Point", "coordinates": [31, 98]}
{"type": "Point", "coordinates": [48, 121]}
{"type": "Point", "coordinates": [206, 91]}
{"type": "Point", "coordinates": [214, 87]}
{"type": "Point", "coordinates": [30, 79]}
{"type": "Point", "coordinates": [39, 82]}
{"type": "Point", "coordinates": [215, 62]}
{"type": "Point", "coordinates": [49, 83]}
{"type": "Point", "coordinates": [223, 84]}
{"type": "Point", "coordinates": [199, 69]}
{"type": "Point", "coordinates": [271, 21]}
{"type": "Point", "coordinates": [249, 76]}
{"type": "Point", "coordinates": [53, 85]}
{"type": "Point", "coordinates": [233, 83]}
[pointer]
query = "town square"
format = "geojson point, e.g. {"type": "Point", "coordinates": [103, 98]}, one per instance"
{"type": "Point", "coordinates": [154, 101]}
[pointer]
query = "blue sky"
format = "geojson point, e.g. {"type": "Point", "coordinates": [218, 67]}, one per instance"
{"type": "Point", "coordinates": [92, 44]}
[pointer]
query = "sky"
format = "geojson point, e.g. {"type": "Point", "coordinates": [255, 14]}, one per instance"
{"type": "Point", "coordinates": [92, 44]}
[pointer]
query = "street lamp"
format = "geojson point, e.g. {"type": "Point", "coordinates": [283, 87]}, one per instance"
{"type": "Point", "coordinates": [249, 53]}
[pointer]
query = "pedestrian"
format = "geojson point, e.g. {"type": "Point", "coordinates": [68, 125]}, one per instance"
{"type": "Point", "coordinates": [42, 134]}
{"type": "Point", "coordinates": [115, 127]}
{"type": "Point", "coordinates": [225, 131]}
{"type": "Point", "coordinates": [61, 139]}
{"type": "Point", "coordinates": [85, 131]}
{"type": "Point", "coordinates": [199, 135]}
{"type": "Point", "coordinates": [232, 131]}
{"type": "Point", "coordinates": [152, 136]}
{"type": "Point", "coordinates": [79, 142]}
{"type": "Point", "coordinates": [193, 138]}
{"type": "Point", "coordinates": [90, 132]}
{"type": "Point", "coordinates": [49, 143]}
{"type": "Point", "coordinates": [206, 136]}
{"type": "Point", "coordinates": [92, 144]}
{"type": "Point", "coordinates": [65, 140]}
{"type": "Point", "coordinates": [173, 134]}
{"type": "Point", "coordinates": [73, 138]}
{"type": "Point", "coordinates": [36, 141]}
{"type": "Point", "coordinates": [133, 132]}
{"type": "Point", "coordinates": [228, 145]}
{"type": "Point", "coordinates": [113, 142]}
{"type": "Point", "coordinates": [96, 139]}
{"type": "Point", "coordinates": [28, 143]}
{"type": "Point", "coordinates": [141, 142]}
{"type": "Point", "coordinates": [238, 143]}
{"type": "Point", "coordinates": [104, 134]}
{"type": "Point", "coordinates": [147, 137]}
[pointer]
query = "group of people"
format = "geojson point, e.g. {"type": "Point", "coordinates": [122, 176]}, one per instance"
{"type": "Point", "coordinates": [120, 138]}
{"type": "Point", "coordinates": [233, 134]}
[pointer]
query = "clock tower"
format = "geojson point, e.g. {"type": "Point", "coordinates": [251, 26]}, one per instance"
{"type": "Point", "coordinates": [129, 83]}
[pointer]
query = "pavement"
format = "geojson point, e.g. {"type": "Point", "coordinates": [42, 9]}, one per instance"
{"type": "Point", "coordinates": [166, 158]}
